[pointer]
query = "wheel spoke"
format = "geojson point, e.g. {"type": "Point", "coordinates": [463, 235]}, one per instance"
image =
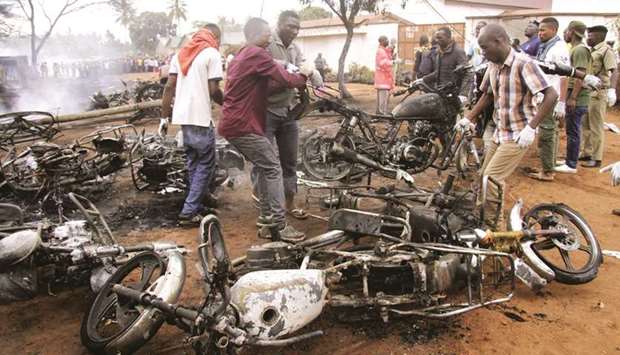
{"type": "Point", "coordinates": [147, 273]}
{"type": "Point", "coordinates": [544, 244]}
{"type": "Point", "coordinates": [586, 248]}
{"type": "Point", "coordinates": [566, 259]}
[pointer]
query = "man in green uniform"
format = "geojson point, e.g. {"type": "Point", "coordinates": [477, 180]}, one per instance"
{"type": "Point", "coordinates": [578, 96]}
{"type": "Point", "coordinates": [603, 66]}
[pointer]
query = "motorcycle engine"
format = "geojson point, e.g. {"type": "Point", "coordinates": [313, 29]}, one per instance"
{"type": "Point", "coordinates": [415, 154]}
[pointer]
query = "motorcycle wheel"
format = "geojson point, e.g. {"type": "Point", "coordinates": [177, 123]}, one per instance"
{"type": "Point", "coordinates": [109, 317]}
{"type": "Point", "coordinates": [319, 163]}
{"type": "Point", "coordinates": [575, 257]}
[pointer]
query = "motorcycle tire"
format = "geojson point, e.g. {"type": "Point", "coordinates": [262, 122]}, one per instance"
{"type": "Point", "coordinates": [106, 301]}
{"type": "Point", "coordinates": [318, 145]}
{"type": "Point", "coordinates": [578, 224]}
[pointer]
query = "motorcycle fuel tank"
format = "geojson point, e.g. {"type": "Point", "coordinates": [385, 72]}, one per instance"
{"type": "Point", "coordinates": [274, 303]}
{"type": "Point", "coordinates": [425, 106]}
{"type": "Point", "coordinates": [18, 246]}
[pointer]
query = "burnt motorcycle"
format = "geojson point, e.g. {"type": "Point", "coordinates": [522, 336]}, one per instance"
{"type": "Point", "coordinates": [26, 126]}
{"type": "Point", "coordinates": [158, 163]}
{"type": "Point", "coordinates": [549, 242]}
{"type": "Point", "coordinates": [46, 169]}
{"type": "Point", "coordinates": [43, 255]}
{"type": "Point", "coordinates": [279, 288]}
{"type": "Point", "coordinates": [432, 141]}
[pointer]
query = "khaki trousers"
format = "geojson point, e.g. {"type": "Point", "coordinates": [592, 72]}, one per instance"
{"type": "Point", "coordinates": [593, 131]}
{"type": "Point", "coordinates": [499, 163]}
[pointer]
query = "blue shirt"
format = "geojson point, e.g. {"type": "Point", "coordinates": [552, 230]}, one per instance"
{"type": "Point", "coordinates": [531, 46]}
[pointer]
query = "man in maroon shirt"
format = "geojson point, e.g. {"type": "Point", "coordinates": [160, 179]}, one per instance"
{"type": "Point", "coordinates": [251, 76]}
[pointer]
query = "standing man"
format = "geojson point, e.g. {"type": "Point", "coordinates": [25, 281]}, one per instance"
{"type": "Point", "coordinates": [384, 79]}
{"type": "Point", "coordinates": [578, 96]}
{"type": "Point", "coordinates": [530, 47]}
{"type": "Point", "coordinates": [603, 66]}
{"type": "Point", "coordinates": [281, 128]}
{"type": "Point", "coordinates": [320, 64]}
{"type": "Point", "coordinates": [424, 48]}
{"type": "Point", "coordinates": [552, 49]}
{"type": "Point", "coordinates": [510, 84]}
{"type": "Point", "coordinates": [473, 53]}
{"type": "Point", "coordinates": [193, 82]}
{"type": "Point", "coordinates": [449, 56]}
{"type": "Point", "coordinates": [243, 122]}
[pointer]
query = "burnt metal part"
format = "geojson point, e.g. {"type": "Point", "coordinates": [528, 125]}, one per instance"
{"type": "Point", "coordinates": [26, 126]}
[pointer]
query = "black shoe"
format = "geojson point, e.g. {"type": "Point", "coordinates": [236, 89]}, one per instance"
{"type": "Point", "coordinates": [585, 158]}
{"type": "Point", "coordinates": [591, 164]}
{"type": "Point", "coordinates": [190, 220]}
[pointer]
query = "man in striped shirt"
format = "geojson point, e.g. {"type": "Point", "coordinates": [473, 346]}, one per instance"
{"type": "Point", "coordinates": [510, 83]}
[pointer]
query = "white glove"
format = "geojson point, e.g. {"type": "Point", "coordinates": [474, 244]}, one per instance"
{"type": "Point", "coordinates": [291, 68]}
{"type": "Point", "coordinates": [615, 172]}
{"type": "Point", "coordinates": [525, 138]}
{"type": "Point", "coordinates": [162, 130]}
{"type": "Point", "coordinates": [611, 97]}
{"type": "Point", "coordinates": [592, 82]}
{"type": "Point", "coordinates": [559, 112]}
{"type": "Point", "coordinates": [463, 99]}
{"type": "Point", "coordinates": [464, 123]}
{"type": "Point", "coordinates": [538, 98]}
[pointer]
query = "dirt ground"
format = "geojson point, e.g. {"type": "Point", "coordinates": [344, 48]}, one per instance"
{"type": "Point", "coordinates": [563, 319]}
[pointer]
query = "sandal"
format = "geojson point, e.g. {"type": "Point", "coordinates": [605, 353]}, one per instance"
{"type": "Point", "coordinates": [540, 176]}
{"type": "Point", "coordinates": [298, 213]}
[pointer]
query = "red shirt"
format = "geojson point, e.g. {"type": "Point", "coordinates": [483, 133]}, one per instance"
{"type": "Point", "coordinates": [245, 96]}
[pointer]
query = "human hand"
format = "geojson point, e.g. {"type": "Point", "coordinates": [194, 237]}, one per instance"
{"type": "Point", "coordinates": [464, 123]}
{"type": "Point", "coordinates": [615, 172]}
{"type": "Point", "coordinates": [525, 138]}
{"type": "Point", "coordinates": [592, 82]}
{"type": "Point", "coordinates": [559, 112]}
{"type": "Point", "coordinates": [611, 97]}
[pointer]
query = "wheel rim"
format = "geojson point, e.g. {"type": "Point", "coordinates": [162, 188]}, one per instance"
{"type": "Point", "coordinates": [571, 253]}
{"type": "Point", "coordinates": [320, 163]}
{"type": "Point", "coordinates": [110, 316]}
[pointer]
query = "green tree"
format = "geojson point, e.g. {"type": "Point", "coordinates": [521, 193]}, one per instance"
{"type": "Point", "coordinates": [347, 10]}
{"type": "Point", "coordinates": [177, 12]}
{"type": "Point", "coordinates": [125, 11]}
{"type": "Point", "coordinates": [313, 13]}
{"type": "Point", "coordinates": [147, 28]}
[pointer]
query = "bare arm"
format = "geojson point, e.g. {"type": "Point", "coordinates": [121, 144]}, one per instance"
{"type": "Point", "coordinates": [169, 92]}
{"type": "Point", "coordinates": [485, 100]}
{"type": "Point", "coordinates": [215, 92]}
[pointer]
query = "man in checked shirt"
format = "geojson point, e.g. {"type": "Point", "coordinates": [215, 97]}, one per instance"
{"type": "Point", "coordinates": [510, 83]}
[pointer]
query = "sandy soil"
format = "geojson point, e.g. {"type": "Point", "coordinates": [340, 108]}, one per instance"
{"type": "Point", "coordinates": [563, 319]}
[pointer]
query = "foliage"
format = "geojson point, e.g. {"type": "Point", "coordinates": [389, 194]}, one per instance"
{"type": "Point", "coordinates": [360, 74]}
{"type": "Point", "coordinates": [177, 11]}
{"type": "Point", "coordinates": [147, 28]}
{"type": "Point", "coordinates": [125, 11]}
{"type": "Point", "coordinates": [313, 13]}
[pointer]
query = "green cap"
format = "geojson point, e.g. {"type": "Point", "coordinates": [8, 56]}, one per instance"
{"type": "Point", "coordinates": [579, 28]}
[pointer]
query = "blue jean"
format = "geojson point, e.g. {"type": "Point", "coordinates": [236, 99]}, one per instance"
{"type": "Point", "coordinates": [199, 144]}
{"type": "Point", "coordinates": [573, 134]}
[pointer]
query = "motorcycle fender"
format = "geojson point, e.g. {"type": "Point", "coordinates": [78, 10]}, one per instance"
{"type": "Point", "coordinates": [514, 220]}
{"type": "Point", "coordinates": [18, 246]}
{"type": "Point", "coordinates": [274, 303]}
{"type": "Point", "coordinates": [168, 287]}
{"type": "Point", "coordinates": [535, 263]}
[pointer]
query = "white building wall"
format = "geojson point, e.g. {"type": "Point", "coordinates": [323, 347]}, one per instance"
{"type": "Point", "coordinates": [362, 50]}
{"type": "Point", "coordinates": [610, 6]}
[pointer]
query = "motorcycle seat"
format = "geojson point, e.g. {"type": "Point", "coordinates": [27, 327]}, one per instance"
{"type": "Point", "coordinates": [18, 246]}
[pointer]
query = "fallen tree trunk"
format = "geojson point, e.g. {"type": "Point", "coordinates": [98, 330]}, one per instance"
{"type": "Point", "coordinates": [106, 112]}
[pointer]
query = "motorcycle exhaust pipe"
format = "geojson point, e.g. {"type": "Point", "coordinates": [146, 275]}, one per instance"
{"type": "Point", "coordinates": [338, 150]}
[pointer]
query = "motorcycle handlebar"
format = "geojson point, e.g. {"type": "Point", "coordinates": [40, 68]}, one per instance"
{"type": "Point", "coordinates": [148, 299]}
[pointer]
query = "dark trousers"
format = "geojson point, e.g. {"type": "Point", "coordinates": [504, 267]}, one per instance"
{"type": "Point", "coordinates": [199, 144]}
{"type": "Point", "coordinates": [573, 134]}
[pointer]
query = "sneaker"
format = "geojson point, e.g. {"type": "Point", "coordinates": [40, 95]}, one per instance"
{"type": "Point", "coordinates": [189, 220]}
{"type": "Point", "coordinates": [290, 234]}
{"type": "Point", "coordinates": [591, 164]}
{"type": "Point", "coordinates": [565, 169]}
{"type": "Point", "coordinates": [560, 162]}
{"type": "Point", "coordinates": [264, 221]}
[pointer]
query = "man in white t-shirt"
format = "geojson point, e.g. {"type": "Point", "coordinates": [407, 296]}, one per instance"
{"type": "Point", "coordinates": [552, 50]}
{"type": "Point", "coordinates": [193, 82]}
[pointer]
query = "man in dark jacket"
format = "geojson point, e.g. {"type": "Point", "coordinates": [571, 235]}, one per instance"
{"type": "Point", "coordinates": [449, 56]}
